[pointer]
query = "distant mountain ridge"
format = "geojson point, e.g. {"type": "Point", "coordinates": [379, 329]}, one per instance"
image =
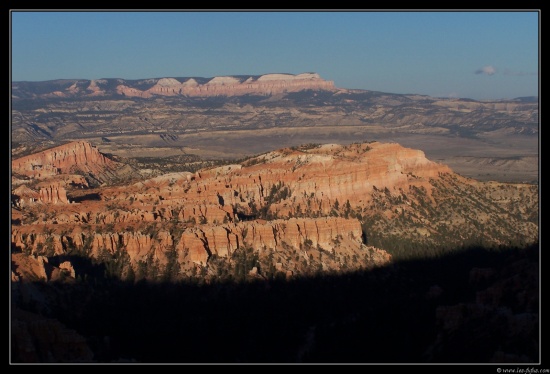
{"type": "Point", "coordinates": [234, 116]}
{"type": "Point", "coordinates": [267, 84]}
{"type": "Point", "coordinates": [229, 85]}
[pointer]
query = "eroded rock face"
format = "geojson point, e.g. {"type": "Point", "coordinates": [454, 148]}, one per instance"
{"type": "Point", "coordinates": [218, 210]}
{"type": "Point", "coordinates": [64, 159]}
{"type": "Point", "coordinates": [24, 195]}
{"type": "Point", "coordinates": [271, 235]}
{"type": "Point", "coordinates": [30, 268]}
{"type": "Point", "coordinates": [53, 195]}
{"type": "Point", "coordinates": [328, 234]}
{"type": "Point", "coordinates": [305, 203]}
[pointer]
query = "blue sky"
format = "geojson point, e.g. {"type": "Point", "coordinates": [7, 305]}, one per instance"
{"type": "Point", "coordinates": [478, 55]}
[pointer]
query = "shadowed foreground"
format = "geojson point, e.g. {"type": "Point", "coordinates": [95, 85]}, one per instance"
{"type": "Point", "coordinates": [470, 306]}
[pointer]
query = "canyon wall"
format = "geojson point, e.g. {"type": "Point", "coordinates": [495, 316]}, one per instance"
{"type": "Point", "coordinates": [64, 159]}
{"type": "Point", "coordinates": [329, 234]}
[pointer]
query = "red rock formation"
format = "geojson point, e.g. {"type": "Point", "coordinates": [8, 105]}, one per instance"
{"type": "Point", "coordinates": [53, 195]}
{"type": "Point", "coordinates": [318, 177]}
{"type": "Point", "coordinates": [199, 242]}
{"type": "Point", "coordinates": [223, 240]}
{"type": "Point", "coordinates": [29, 268]}
{"type": "Point", "coordinates": [68, 268]}
{"type": "Point", "coordinates": [25, 196]}
{"type": "Point", "coordinates": [215, 199]}
{"type": "Point", "coordinates": [304, 196]}
{"type": "Point", "coordinates": [64, 159]}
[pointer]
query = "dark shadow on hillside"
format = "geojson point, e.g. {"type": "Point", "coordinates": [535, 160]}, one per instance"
{"type": "Point", "coordinates": [86, 197]}
{"type": "Point", "coordinates": [470, 306]}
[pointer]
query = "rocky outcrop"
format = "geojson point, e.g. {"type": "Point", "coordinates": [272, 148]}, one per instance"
{"type": "Point", "coordinates": [316, 178]}
{"type": "Point", "coordinates": [198, 243]}
{"type": "Point", "coordinates": [95, 89]}
{"type": "Point", "coordinates": [24, 196]}
{"type": "Point", "coordinates": [65, 159]}
{"type": "Point", "coordinates": [306, 203]}
{"type": "Point", "coordinates": [290, 182]}
{"type": "Point", "coordinates": [53, 195]}
{"type": "Point", "coordinates": [67, 268]}
{"type": "Point", "coordinates": [328, 234]}
{"type": "Point", "coordinates": [30, 268]}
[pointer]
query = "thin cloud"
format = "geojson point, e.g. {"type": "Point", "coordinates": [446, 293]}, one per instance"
{"type": "Point", "coordinates": [486, 70]}
{"type": "Point", "coordinates": [491, 70]}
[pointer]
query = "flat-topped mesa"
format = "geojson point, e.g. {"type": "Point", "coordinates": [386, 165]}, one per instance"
{"type": "Point", "coordinates": [289, 181]}
{"type": "Point", "coordinates": [63, 159]}
{"type": "Point", "coordinates": [319, 175]}
{"type": "Point", "coordinates": [232, 86]}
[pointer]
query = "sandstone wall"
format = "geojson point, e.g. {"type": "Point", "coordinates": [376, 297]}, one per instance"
{"type": "Point", "coordinates": [62, 160]}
